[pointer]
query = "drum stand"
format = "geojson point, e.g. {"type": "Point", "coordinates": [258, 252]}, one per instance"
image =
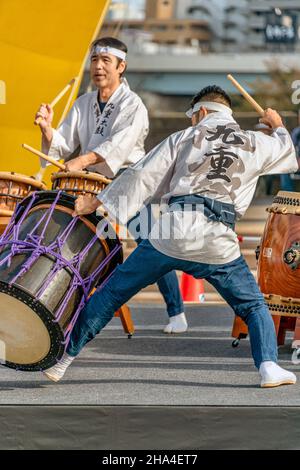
{"type": "Point", "coordinates": [125, 317]}
{"type": "Point", "coordinates": [282, 324]}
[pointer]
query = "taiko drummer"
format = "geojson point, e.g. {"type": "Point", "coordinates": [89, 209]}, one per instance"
{"type": "Point", "coordinates": [208, 174]}
{"type": "Point", "coordinates": [108, 128]}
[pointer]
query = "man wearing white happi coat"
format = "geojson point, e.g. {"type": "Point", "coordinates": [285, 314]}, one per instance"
{"type": "Point", "coordinates": [108, 127]}
{"type": "Point", "coordinates": [206, 175]}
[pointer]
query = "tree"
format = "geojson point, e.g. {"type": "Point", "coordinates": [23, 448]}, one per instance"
{"type": "Point", "coordinates": [275, 93]}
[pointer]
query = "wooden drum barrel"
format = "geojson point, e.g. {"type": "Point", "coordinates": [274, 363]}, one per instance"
{"type": "Point", "coordinates": [14, 187]}
{"type": "Point", "coordinates": [279, 256]}
{"type": "Point", "coordinates": [77, 183]}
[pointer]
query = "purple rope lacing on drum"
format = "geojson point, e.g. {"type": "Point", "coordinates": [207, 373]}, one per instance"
{"type": "Point", "coordinates": [12, 230]}
{"type": "Point", "coordinates": [34, 241]}
{"type": "Point", "coordinates": [73, 265]}
{"type": "Point", "coordinates": [58, 245]}
{"type": "Point", "coordinates": [68, 331]}
{"type": "Point", "coordinates": [52, 208]}
{"type": "Point", "coordinates": [82, 304]}
{"type": "Point", "coordinates": [11, 222]}
{"type": "Point", "coordinates": [32, 244]}
{"type": "Point", "coordinates": [58, 264]}
{"type": "Point", "coordinates": [84, 298]}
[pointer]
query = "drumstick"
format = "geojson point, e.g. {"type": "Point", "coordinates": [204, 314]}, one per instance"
{"type": "Point", "coordinates": [45, 157]}
{"type": "Point", "coordinates": [57, 98]}
{"type": "Point", "coordinates": [40, 174]}
{"type": "Point", "coordinates": [246, 95]}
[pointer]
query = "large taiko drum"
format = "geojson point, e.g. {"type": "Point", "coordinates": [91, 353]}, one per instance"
{"type": "Point", "coordinates": [279, 256]}
{"type": "Point", "coordinates": [13, 188]}
{"type": "Point", "coordinates": [49, 264]}
{"type": "Point", "coordinates": [79, 183]}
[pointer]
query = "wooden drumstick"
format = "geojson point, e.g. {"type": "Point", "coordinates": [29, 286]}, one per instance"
{"type": "Point", "coordinates": [57, 98]}
{"type": "Point", "coordinates": [45, 157]}
{"type": "Point", "coordinates": [246, 95]}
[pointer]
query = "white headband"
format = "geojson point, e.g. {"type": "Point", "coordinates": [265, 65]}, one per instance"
{"type": "Point", "coordinates": [211, 105]}
{"type": "Point", "coordinates": [108, 50]}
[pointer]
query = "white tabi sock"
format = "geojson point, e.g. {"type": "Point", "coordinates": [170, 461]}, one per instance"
{"type": "Point", "coordinates": [272, 375]}
{"type": "Point", "coordinates": [56, 372]}
{"type": "Point", "coordinates": [177, 324]}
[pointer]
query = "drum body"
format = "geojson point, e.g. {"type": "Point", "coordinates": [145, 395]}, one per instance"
{"type": "Point", "coordinates": [279, 256]}
{"type": "Point", "coordinates": [13, 188]}
{"type": "Point", "coordinates": [77, 183]}
{"type": "Point", "coordinates": [49, 264]}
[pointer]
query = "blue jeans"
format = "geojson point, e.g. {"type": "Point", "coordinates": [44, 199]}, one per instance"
{"type": "Point", "coordinates": [168, 284]}
{"type": "Point", "coordinates": [286, 183]}
{"type": "Point", "coordinates": [146, 265]}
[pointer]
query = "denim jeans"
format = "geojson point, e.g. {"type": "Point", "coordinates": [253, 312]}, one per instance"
{"type": "Point", "coordinates": [286, 183]}
{"type": "Point", "coordinates": [167, 284]}
{"type": "Point", "coordinates": [146, 265]}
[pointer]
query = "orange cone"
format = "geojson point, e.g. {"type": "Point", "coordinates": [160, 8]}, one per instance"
{"type": "Point", "coordinates": [192, 290]}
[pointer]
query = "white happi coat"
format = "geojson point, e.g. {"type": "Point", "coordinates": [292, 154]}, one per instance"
{"type": "Point", "coordinates": [215, 159]}
{"type": "Point", "coordinates": [117, 134]}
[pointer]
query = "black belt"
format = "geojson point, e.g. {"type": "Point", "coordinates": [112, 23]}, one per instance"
{"type": "Point", "coordinates": [213, 210]}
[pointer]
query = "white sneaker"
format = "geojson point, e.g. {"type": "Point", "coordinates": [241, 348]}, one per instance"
{"type": "Point", "coordinates": [177, 324]}
{"type": "Point", "coordinates": [272, 375]}
{"type": "Point", "coordinates": [57, 372]}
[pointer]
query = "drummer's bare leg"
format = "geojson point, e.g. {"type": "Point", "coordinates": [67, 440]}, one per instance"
{"type": "Point", "coordinates": [143, 267]}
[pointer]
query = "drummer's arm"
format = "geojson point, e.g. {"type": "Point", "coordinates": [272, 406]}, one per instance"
{"type": "Point", "coordinates": [63, 141]}
{"type": "Point", "coordinates": [86, 205]}
{"type": "Point", "coordinates": [84, 161]}
{"type": "Point", "coordinates": [47, 136]}
{"type": "Point", "coordinates": [276, 153]}
{"type": "Point", "coordinates": [272, 119]}
{"type": "Point", "coordinates": [44, 118]}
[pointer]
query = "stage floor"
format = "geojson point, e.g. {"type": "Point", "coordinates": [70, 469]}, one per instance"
{"type": "Point", "coordinates": [198, 368]}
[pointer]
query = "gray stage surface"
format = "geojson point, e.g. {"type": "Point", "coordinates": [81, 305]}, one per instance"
{"type": "Point", "coordinates": [198, 368]}
{"type": "Point", "coordinates": [187, 392]}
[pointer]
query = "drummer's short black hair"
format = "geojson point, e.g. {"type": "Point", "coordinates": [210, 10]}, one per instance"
{"type": "Point", "coordinates": [212, 93]}
{"type": "Point", "coordinates": [111, 42]}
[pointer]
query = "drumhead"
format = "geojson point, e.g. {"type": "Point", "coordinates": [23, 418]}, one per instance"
{"type": "Point", "coordinates": [86, 175]}
{"type": "Point", "coordinates": [11, 176]}
{"type": "Point", "coordinates": [25, 338]}
{"type": "Point", "coordinates": [29, 338]}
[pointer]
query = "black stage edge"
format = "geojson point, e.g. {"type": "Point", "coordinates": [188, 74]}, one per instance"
{"type": "Point", "coordinates": [149, 427]}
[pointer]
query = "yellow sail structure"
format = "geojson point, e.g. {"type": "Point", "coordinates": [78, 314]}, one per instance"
{"type": "Point", "coordinates": [43, 45]}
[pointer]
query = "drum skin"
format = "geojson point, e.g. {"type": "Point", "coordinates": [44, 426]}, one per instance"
{"type": "Point", "coordinates": [277, 279]}
{"type": "Point", "coordinates": [29, 288]}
